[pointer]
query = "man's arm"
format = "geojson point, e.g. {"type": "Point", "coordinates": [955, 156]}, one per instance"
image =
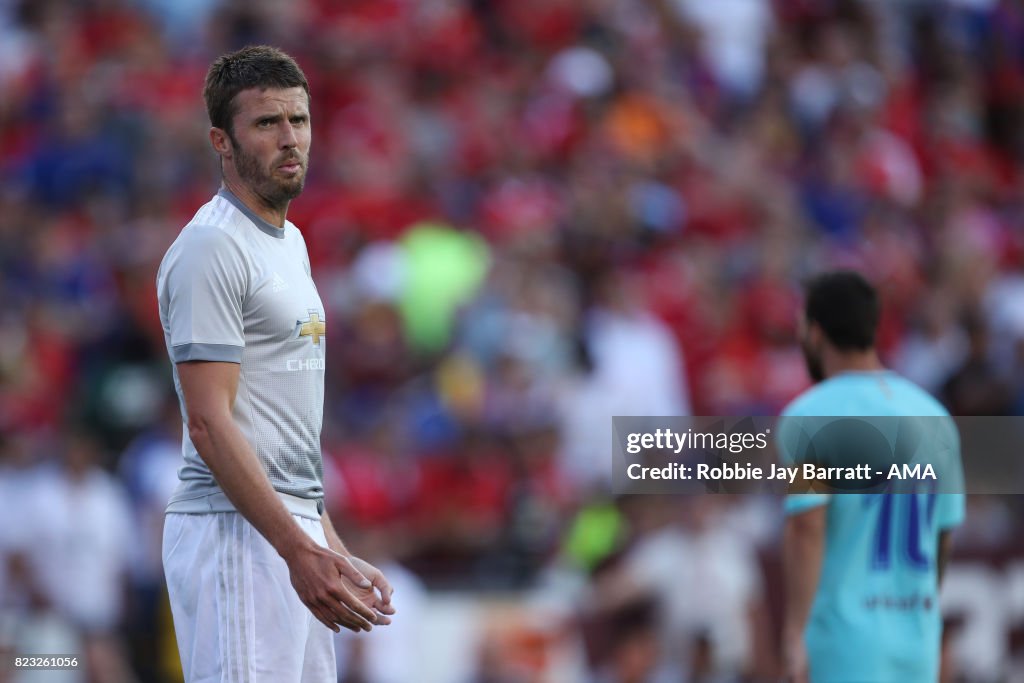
{"type": "Point", "coordinates": [380, 602]}
{"type": "Point", "coordinates": [209, 390]}
{"type": "Point", "coordinates": [803, 549]}
{"type": "Point", "coordinates": [943, 558]}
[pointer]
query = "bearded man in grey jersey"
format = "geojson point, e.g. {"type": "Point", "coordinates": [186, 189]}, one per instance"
{"type": "Point", "coordinates": [252, 560]}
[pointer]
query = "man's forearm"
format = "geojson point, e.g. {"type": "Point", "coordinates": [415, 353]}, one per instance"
{"type": "Point", "coordinates": [333, 539]}
{"type": "Point", "coordinates": [943, 558]}
{"type": "Point", "coordinates": [233, 463]}
{"type": "Point", "coordinates": [803, 548]}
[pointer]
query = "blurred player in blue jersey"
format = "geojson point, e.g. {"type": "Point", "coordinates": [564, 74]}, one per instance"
{"type": "Point", "coordinates": [862, 572]}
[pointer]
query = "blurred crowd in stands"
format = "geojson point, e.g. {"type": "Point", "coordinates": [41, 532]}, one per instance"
{"type": "Point", "coordinates": [524, 217]}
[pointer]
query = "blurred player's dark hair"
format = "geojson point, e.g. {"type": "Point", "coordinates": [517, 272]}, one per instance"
{"type": "Point", "coordinates": [845, 306]}
{"type": "Point", "coordinates": [259, 66]}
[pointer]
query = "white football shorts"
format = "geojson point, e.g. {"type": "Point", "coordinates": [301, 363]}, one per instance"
{"type": "Point", "coordinates": [236, 616]}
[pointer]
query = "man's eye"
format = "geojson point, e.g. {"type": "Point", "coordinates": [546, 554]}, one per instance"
{"type": "Point", "coordinates": [265, 123]}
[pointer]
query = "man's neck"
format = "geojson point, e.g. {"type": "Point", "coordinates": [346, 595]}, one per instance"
{"type": "Point", "coordinates": [838, 362]}
{"type": "Point", "coordinates": [272, 215]}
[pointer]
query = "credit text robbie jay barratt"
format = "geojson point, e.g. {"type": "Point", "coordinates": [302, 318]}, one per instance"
{"type": "Point", "coordinates": [809, 471]}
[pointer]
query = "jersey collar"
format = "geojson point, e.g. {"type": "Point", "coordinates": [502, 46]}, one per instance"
{"type": "Point", "coordinates": [250, 214]}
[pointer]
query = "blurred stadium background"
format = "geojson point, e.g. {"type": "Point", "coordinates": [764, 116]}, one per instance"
{"type": "Point", "coordinates": [524, 216]}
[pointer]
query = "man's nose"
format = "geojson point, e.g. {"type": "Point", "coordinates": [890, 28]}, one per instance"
{"type": "Point", "coordinates": [288, 138]}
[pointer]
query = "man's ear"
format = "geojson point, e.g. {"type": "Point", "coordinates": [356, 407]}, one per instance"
{"type": "Point", "coordinates": [221, 142]}
{"type": "Point", "coordinates": [814, 334]}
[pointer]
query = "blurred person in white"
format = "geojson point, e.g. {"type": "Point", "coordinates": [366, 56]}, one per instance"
{"type": "Point", "coordinates": [76, 542]}
{"type": "Point", "coordinates": [712, 621]}
{"type": "Point", "coordinates": [256, 574]}
{"type": "Point", "coordinates": [935, 347]}
{"type": "Point", "coordinates": [18, 595]}
{"type": "Point", "coordinates": [733, 37]}
{"type": "Point", "coordinates": [148, 468]}
{"type": "Point", "coordinates": [631, 365]}
{"type": "Point", "coordinates": [372, 658]}
{"type": "Point", "coordinates": [527, 309]}
{"type": "Point", "coordinates": [149, 471]}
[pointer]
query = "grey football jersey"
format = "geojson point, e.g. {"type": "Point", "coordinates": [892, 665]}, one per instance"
{"type": "Point", "coordinates": [235, 288]}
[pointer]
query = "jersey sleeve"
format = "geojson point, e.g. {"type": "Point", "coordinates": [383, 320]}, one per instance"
{"type": "Point", "coordinates": [949, 510]}
{"type": "Point", "coordinates": [950, 507]}
{"type": "Point", "coordinates": [201, 297]}
{"type": "Point", "coordinates": [795, 503]}
{"type": "Point", "coordinates": [792, 441]}
{"type": "Point", "coordinates": [793, 438]}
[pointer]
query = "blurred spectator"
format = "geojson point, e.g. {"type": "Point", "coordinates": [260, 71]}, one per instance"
{"type": "Point", "coordinates": [77, 546]}
{"type": "Point", "coordinates": [633, 652]}
{"type": "Point", "coordinates": [148, 470]}
{"type": "Point", "coordinates": [711, 632]}
{"type": "Point", "coordinates": [373, 659]}
{"type": "Point", "coordinates": [632, 367]}
{"type": "Point", "coordinates": [442, 268]}
{"type": "Point", "coordinates": [19, 593]}
{"type": "Point", "coordinates": [934, 347]}
{"type": "Point", "coordinates": [733, 35]}
{"type": "Point", "coordinates": [976, 387]}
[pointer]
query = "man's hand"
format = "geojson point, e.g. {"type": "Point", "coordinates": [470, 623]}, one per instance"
{"type": "Point", "coordinates": [363, 577]}
{"type": "Point", "coordinates": [332, 588]}
{"type": "Point", "coordinates": [380, 600]}
{"type": "Point", "coordinates": [209, 390]}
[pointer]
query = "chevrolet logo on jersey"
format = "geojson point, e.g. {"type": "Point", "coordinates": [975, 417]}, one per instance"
{"type": "Point", "coordinates": [314, 328]}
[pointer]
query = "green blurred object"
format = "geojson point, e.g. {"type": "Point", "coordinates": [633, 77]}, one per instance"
{"type": "Point", "coordinates": [595, 534]}
{"type": "Point", "coordinates": [444, 268]}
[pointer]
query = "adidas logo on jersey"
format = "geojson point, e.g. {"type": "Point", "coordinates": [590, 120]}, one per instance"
{"type": "Point", "coordinates": [279, 284]}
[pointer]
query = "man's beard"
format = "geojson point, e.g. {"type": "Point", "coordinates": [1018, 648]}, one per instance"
{"type": "Point", "coordinates": [275, 192]}
{"type": "Point", "coordinates": [813, 360]}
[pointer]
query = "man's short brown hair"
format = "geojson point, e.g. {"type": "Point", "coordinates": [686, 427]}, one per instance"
{"type": "Point", "coordinates": [259, 66]}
